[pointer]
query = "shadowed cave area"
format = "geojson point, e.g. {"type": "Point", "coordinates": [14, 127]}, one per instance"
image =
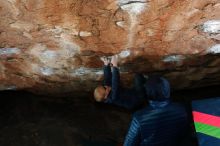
{"type": "Point", "coordinates": [27, 119]}
{"type": "Point", "coordinates": [50, 63]}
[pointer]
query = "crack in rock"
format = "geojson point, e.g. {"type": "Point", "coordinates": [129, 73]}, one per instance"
{"type": "Point", "coordinates": [125, 2]}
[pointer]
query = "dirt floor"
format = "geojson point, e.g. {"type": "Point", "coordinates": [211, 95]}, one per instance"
{"type": "Point", "coordinates": [31, 120]}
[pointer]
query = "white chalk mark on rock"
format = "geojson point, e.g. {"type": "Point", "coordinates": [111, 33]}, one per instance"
{"type": "Point", "coordinates": [133, 8]}
{"type": "Point", "coordinates": [214, 49]}
{"type": "Point", "coordinates": [174, 58]}
{"type": "Point", "coordinates": [66, 42]}
{"type": "Point", "coordinates": [10, 87]}
{"type": "Point", "coordinates": [47, 71]}
{"type": "Point", "coordinates": [120, 24]}
{"type": "Point", "coordinates": [48, 54]}
{"type": "Point", "coordinates": [9, 51]}
{"type": "Point", "coordinates": [125, 53]}
{"type": "Point", "coordinates": [86, 71]}
{"type": "Point", "coordinates": [212, 26]}
{"type": "Point", "coordinates": [85, 34]}
{"type": "Point", "coordinates": [56, 30]}
{"type": "Point", "coordinates": [13, 87]}
{"type": "Point", "coordinates": [132, 31]}
{"type": "Point", "coordinates": [150, 32]}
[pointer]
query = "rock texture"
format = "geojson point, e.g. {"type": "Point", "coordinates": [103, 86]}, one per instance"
{"type": "Point", "coordinates": [54, 46]}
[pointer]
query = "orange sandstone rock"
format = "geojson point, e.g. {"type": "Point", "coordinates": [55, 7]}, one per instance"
{"type": "Point", "coordinates": [53, 46]}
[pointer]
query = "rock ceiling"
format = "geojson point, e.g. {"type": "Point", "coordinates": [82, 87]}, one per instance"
{"type": "Point", "coordinates": [54, 46]}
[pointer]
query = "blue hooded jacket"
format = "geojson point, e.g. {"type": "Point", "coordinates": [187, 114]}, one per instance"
{"type": "Point", "coordinates": [162, 123]}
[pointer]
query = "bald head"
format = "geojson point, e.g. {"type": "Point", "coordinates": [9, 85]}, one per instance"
{"type": "Point", "coordinates": [99, 93]}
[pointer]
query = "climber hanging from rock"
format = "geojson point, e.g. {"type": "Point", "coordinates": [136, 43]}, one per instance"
{"type": "Point", "coordinates": [111, 92]}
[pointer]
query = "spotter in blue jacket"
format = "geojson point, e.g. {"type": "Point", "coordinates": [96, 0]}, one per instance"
{"type": "Point", "coordinates": [162, 123]}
